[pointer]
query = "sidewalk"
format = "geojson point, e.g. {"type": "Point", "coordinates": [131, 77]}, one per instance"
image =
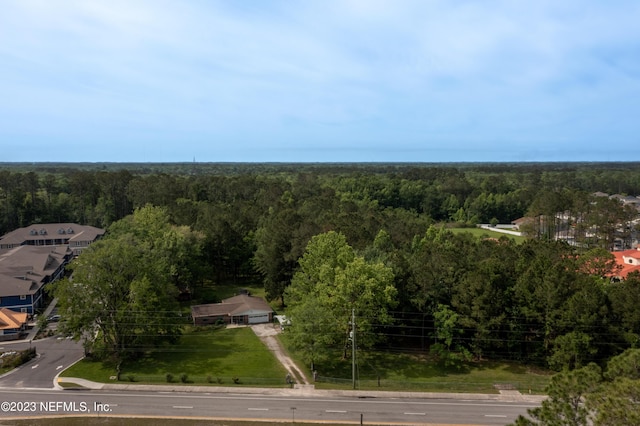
{"type": "Point", "coordinates": [303, 390]}
{"type": "Point", "coordinates": [266, 331]}
{"type": "Point", "coordinates": [34, 331]}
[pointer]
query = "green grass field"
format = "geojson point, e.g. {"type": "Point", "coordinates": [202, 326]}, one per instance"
{"type": "Point", "coordinates": [216, 357]}
{"type": "Point", "coordinates": [484, 233]}
{"type": "Point", "coordinates": [205, 355]}
{"type": "Point", "coordinates": [377, 370]}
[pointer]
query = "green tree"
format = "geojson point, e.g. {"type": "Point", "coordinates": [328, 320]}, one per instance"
{"type": "Point", "coordinates": [617, 402]}
{"type": "Point", "coordinates": [571, 350]}
{"type": "Point", "coordinates": [333, 281]}
{"type": "Point", "coordinates": [121, 297]}
{"type": "Point", "coordinates": [275, 258]}
{"type": "Point", "coordinates": [587, 397]}
{"type": "Point", "coordinates": [546, 280]}
{"type": "Point", "coordinates": [447, 329]}
{"type": "Point", "coordinates": [624, 298]}
{"type": "Point", "coordinates": [482, 298]}
{"type": "Point", "coordinates": [565, 405]}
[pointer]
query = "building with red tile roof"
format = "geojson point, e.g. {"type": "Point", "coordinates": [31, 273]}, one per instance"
{"type": "Point", "coordinates": [628, 261]}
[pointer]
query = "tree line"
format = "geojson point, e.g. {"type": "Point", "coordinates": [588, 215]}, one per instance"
{"type": "Point", "coordinates": [464, 296]}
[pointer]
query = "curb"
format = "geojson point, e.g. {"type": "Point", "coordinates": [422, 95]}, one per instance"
{"type": "Point", "coordinates": [303, 391]}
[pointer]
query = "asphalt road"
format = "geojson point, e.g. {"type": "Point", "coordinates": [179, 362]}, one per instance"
{"type": "Point", "coordinates": [23, 403]}
{"type": "Point", "coordinates": [54, 354]}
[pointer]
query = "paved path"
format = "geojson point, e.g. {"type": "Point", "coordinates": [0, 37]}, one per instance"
{"type": "Point", "coordinates": [267, 333]}
{"type": "Point", "coordinates": [301, 391]}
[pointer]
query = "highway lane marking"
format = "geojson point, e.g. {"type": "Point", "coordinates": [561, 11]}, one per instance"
{"type": "Point", "coordinates": [59, 367]}
{"type": "Point", "coordinates": [183, 406]}
{"type": "Point", "coordinates": [258, 409]}
{"type": "Point", "coordinates": [495, 415]}
{"type": "Point", "coordinates": [35, 366]}
{"type": "Point", "coordinates": [173, 395]}
{"type": "Point", "coordinates": [335, 411]}
{"type": "Point", "coordinates": [415, 414]}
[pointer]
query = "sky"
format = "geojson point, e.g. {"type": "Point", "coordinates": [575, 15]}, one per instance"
{"type": "Point", "coordinates": [319, 81]}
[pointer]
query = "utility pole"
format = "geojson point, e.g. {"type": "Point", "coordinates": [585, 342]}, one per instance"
{"type": "Point", "coordinates": [353, 347]}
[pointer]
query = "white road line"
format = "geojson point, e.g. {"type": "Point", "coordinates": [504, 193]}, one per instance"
{"type": "Point", "coordinates": [415, 414]}
{"type": "Point", "coordinates": [183, 406]}
{"type": "Point", "coordinates": [35, 366]}
{"type": "Point", "coordinates": [59, 367]}
{"type": "Point", "coordinates": [495, 415]}
{"type": "Point", "coordinates": [334, 411]}
{"type": "Point", "coordinates": [258, 409]}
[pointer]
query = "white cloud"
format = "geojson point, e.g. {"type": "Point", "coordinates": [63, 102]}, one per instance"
{"type": "Point", "coordinates": [358, 70]}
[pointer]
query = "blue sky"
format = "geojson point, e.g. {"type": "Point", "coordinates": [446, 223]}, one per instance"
{"type": "Point", "coordinates": [329, 80]}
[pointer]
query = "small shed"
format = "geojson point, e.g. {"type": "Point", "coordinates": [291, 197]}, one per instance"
{"type": "Point", "coordinates": [240, 309]}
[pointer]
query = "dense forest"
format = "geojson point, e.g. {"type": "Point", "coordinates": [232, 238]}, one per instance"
{"type": "Point", "coordinates": [542, 301]}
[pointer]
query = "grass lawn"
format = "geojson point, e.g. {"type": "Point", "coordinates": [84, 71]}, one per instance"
{"type": "Point", "coordinates": [204, 355]}
{"type": "Point", "coordinates": [407, 372]}
{"type": "Point", "coordinates": [211, 292]}
{"type": "Point", "coordinates": [419, 372]}
{"type": "Point", "coordinates": [480, 233]}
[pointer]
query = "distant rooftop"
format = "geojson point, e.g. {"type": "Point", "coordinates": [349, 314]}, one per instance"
{"type": "Point", "coordinates": [48, 234]}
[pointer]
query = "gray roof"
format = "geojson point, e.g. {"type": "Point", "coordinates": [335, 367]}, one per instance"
{"type": "Point", "coordinates": [242, 304]}
{"type": "Point", "coordinates": [24, 269]}
{"type": "Point", "coordinates": [50, 231]}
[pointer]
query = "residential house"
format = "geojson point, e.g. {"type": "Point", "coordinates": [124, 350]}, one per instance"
{"type": "Point", "coordinates": [628, 261]}
{"type": "Point", "coordinates": [12, 324]}
{"type": "Point", "coordinates": [77, 237]}
{"type": "Point", "coordinates": [517, 223]}
{"type": "Point", "coordinates": [25, 270]}
{"type": "Point", "coordinates": [240, 309]}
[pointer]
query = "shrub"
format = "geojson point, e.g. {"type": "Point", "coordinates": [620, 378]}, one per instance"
{"type": "Point", "coordinates": [169, 378]}
{"type": "Point", "coordinates": [184, 378]}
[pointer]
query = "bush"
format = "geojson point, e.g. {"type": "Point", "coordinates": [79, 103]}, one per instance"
{"type": "Point", "coordinates": [20, 358]}
{"type": "Point", "coordinates": [169, 378]}
{"type": "Point", "coordinates": [236, 380]}
{"type": "Point", "coordinates": [131, 378]}
{"type": "Point", "coordinates": [184, 378]}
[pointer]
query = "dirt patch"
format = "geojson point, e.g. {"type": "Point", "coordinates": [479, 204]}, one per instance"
{"type": "Point", "coordinates": [267, 333]}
